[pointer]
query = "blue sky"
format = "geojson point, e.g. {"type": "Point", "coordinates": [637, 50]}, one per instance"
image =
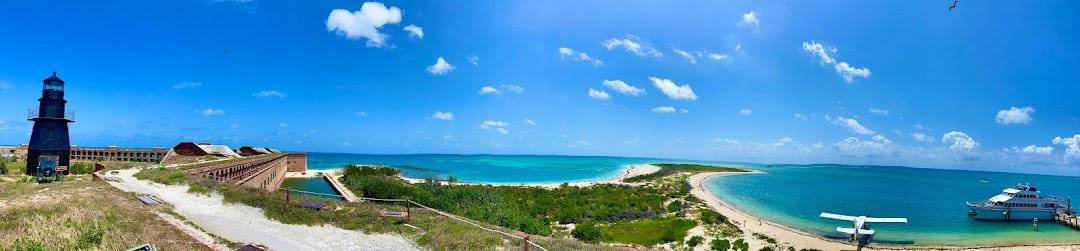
{"type": "Point", "coordinates": [890, 82]}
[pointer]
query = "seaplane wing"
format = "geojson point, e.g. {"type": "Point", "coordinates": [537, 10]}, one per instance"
{"type": "Point", "coordinates": [886, 220]}
{"type": "Point", "coordinates": [848, 230]}
{"type": "Point", "coordinates": [837, 217]}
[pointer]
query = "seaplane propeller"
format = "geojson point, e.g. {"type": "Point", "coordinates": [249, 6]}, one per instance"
{"type": "Point", "coordinates": [859, 224]}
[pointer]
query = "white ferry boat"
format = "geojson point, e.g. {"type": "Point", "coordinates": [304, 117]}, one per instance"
{"type": "Point", "coordinates": [1018, 203]}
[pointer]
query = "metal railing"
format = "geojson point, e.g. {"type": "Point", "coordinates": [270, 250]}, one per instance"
{"type": "Point", "coordinates": [34, 112]}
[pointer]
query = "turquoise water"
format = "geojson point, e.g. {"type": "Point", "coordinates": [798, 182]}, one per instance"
{"type": "Point", "coordinates": [931, 199]}
{"type": "Point", "coordinates": [315, 185]}
{"type": "Point", "coordinates": [496, 169]}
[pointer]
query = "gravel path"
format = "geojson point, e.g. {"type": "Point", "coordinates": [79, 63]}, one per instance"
{"type": "Point", "coordinates": [246, 224]}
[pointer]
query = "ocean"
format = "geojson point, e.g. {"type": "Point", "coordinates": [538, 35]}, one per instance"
{"type": "Point", "coordinates": [931, 199]}
{"type": "Point", "coordinates": [793, 195]}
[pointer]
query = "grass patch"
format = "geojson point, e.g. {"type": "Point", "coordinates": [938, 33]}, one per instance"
{"type": "Point", "coordinates": [163, 175]}
{"type": "Point", "coordinates": [80, 214]}
{"type": "Point", "coordinates": [669, 169]}
{"type": "Point", "coordinates": [659, 231]}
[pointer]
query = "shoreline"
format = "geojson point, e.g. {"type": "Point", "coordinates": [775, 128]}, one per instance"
{"type": "Point", "coordinates": [803, 239]}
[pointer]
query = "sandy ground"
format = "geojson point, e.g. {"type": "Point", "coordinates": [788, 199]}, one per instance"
{"type": "Point", "coordinates": [247, 224]}
{"type": "Point", "coordinates": [630, 171]}
{"type": "Point", "coordinates": [791, 237]}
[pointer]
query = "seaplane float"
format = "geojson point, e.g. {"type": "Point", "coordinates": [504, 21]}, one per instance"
{"type": "Point", "coordinates": [860, 224]}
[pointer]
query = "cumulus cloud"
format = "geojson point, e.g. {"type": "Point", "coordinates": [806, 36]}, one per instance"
{"type": "Point", "coordinates": [623, 87]}
{"type": "Point", "coordinates": [441, 67]}
{"type": "Point", "coordinates": [574, 55]}
{"type": "Point", "coordinates": [1072, 145]}
{"type": "Point", "coordinates": [530, 122]}
{"type": "Point", "coordinates": [824, 54]}
{"type": "Point", "coordinates": [504, 88]}
{"type": "Point", "coordinates": [364, 23]}
{"type": "Point", "coordinates": [784, 141]}
{"type": "Point", "coordinates": [496, 125]}
{"type": "Point", "coordinates": [959, 141]}
{"type": "Point", "coordinates": [876, 146]}
{"type": "Point", "coordinates": [632, 44]}
{"type": "Point", "coordinates": [598, 94]}
{"type": "Point", "coordinates": [1014, 115]}
{"type": "Point", "coordinates": [443, 115]}
{"type": "Point", "coordinates": [750, 19]}
{"type": "Point", "coordinates": [921, 137]}
{"type": "Point", "coordinates": [178, 86]}
{"type": "Point", "coordinates": [270, 93]}
{"type": "Point", "coordinates": [212, 112]}
{"type": "Point", "coordinates": [674, 90]}
{"type": "Point", "coordinates": [415, 31]}
{"type": "Point", "coordinates": [851, 124]}
{"type": "Point", "coordinates": [1034, 150]}
{"type": "Point", "coordinates": [745, 112]}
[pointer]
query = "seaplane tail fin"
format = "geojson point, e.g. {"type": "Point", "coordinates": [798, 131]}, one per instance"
{"type": "Point", "coordinates": [887, 220]}
{"type": "Point", "coordinates": [837, 217]}
{"type": "Point", "coordinates": [845, 230]}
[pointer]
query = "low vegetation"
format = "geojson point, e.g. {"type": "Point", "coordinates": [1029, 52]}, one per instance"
{"type": "Point", "coordinates": [79, 214]}
{"type": "Point", "coordinates": [670, 169]}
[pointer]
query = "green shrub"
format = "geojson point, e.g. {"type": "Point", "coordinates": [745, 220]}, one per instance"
{"type": "Point", "coordinates": [26, 244]}
{"type": "Point", "coordinates": [586, 232]}
{"type": "Point", "coordinates": [669, 169]}
{"type": "Point", "coordinates": [720, 244]}
{"type": "Point", "coordinates": [81, 168]}
{"type": "Point", "coordinates": [766, 249]}
{"type": "Point", "coordinates": [695, 241]}
{"type": "Point", "coordinates": [740, 245]}
{"type": "Point", "coordinates": [91, 235]}
{"type": "Point", "coordinates": [709, 216]}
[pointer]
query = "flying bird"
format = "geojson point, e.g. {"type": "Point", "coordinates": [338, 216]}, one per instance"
{"type": "Point", "coordinates": [953, 6]}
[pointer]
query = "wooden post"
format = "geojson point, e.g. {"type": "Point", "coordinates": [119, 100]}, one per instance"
{"type": "Point", "coordinates": [408, 209]}
{"type": "Point", "coordinates": [286, 196]}
{"type": "Point", "coordinates": [525, 244]}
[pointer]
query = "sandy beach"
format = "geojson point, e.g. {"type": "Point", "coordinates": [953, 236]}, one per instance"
{"type": "Point", "coordinates": [629, 171]}
{"type": "Point", "coordinates": [799, 239]}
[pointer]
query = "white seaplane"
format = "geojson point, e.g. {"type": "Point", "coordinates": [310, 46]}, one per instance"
{"type": "Point", "coordinates": [859, 224]}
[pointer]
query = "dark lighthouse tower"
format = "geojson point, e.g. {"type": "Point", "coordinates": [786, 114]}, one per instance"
{"type": "Point", "coordinates": [49, 139]}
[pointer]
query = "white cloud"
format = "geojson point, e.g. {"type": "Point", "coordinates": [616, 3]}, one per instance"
{"type": "Point", "coordinates": [921, 137]}
{"type": "Point", "coordinates": [959, 141]}
{"type": "Point", "coordinates": [1014, 115]}
{"type": "Point", "coordinates": [852, 124]}
{"type": "Point", "coordinates": [212, 112]}
{"type": "Point", "coordinates": [598, 94]}
{"type": "Point", "coordinates": [799, 116]}
{"type": "Point", "coordinates": [1033, 149]}
{"type": "Point", "coordinates": [474, 60]}
{"type": "Point", "coordinates": [443, 115]}
{"type": "Point", "coordinates": [496, 125]}
{"type": "Point", "coordinates": [876, 146]}
{"type": "Point", "coordinates": [674, 90]}
{"type": "Point", "coordinates": [361, 114]}
{"type": "Point", "coordinates": [664, 109]}
{"type": "Point", "coordinates": [513, 88]}
{"type": "Point", "coordinates": [686, 55]}
{"type": "Point", "coordinates": [270, 93]}
{"type": "Point", "coordinates": [364, 23]}
{"type": "Point", "coordinates": [415, 31]}
{"type": "Point", "coordinates": [177, 86]}
{"type": "Point", "coordinates": [784, 141]}
{"type": "Point", "coordinates": [1072, 145]}
{"type": "Point", "coordinates": [530, 122]}
{"type": "Point", "coordinates": [715, 56]}
{"type": "Point", "coordinates": [565, 52]}
{"type": "Point", "coordinates": [632, 44]}
{"type": "Point", "coordinates": [745, 112]}
{"type": "Point", "coordinates": [726, 140]}
{"type": "Point", "coordinates": [489, 90]}
{"type": "Point", "coordinates": [849, 73]}
{"type": "Point", "coordinates": [824, 56]}
{"type": "Point", "coordinates": [441, 67]}
{"type": "Point", "coordinates": [879, 111]}
{"type": "Point", "coordinates": [750, 19]}
{"type": "Point", "coordinates": [622, 87]}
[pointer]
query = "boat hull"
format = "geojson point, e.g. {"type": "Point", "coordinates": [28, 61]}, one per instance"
{"type": "Point", "coordinates": [998, 214]}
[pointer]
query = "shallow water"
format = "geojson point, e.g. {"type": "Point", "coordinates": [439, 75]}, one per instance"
{"type": "Point", "coordinates": [497, 169]}
{"type": "Point", "coordinates": [315, 185]}
{"type": "Point", "coordinates": [931, 199]}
